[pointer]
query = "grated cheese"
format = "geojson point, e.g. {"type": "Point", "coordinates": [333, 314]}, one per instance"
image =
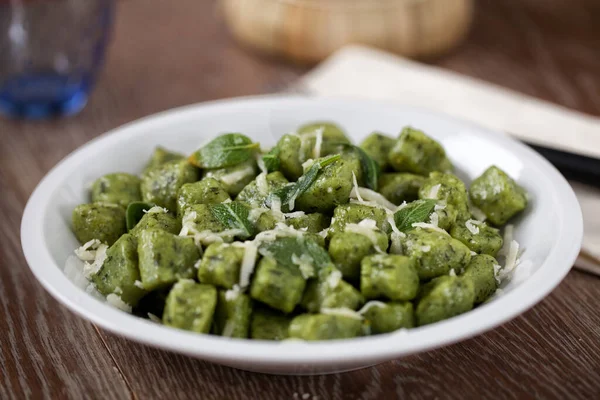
{"type": "Point", "coordinates": [188, 223]}
{"type": "Point", "coordinates": [255, 214]}
{"type": "Point", "coordinates": [261, 164]}
{"type": "Point", "coordinates": [497, 269]}
{"type": "Point", "coordinates": [276, 208]}
{"type": "Point", "coordinates": [433, 192]}
{"type": "Point", "coordinates": [452, 272]}
{"type": "Point", "coordinates": [434, 219]}
{"type": "Point", "coordinates": [228, 328]}
{"type": "Point", "coordinates": [306, 265]}
{"type": "Point", "coordinates": [371, 304]}
{"type": "Point", "coordinates": [236, 176]}
{"type": "Point", "coordinates": [208, 237]}
{"type": "Point", "coordinates": [367, 228]}
{"type": "Point", "coordinates": [473, 226]}
{"type": "Point", "coordinates": [248, 262]}
{"type": "Point", "coordinates": [440, 206]}
{"type": "Point", "coordinates": [87, 251]}
{"type": "Point", "coordinates": [424, 225]}
{"type": "Point", "coordinates": [138, 284]}
{"type": "Point", "coordinates": [508, 237]}
{"type": "Point", "coordinates": [233, 293]}
{"type": "Point", "coordinates": [94, 251]}
{"type": "Point", "coordinates": [342, 311]}
{"type": "Point", "coordinates": [401, 206]}
{"type": "Point", "coordinates": [318, 142]}
{"type": "Point", "coordinates": [261, 184]}
{"type": "Point", "coordinates": [355, 190]}
{"type": "Point", "coordinates": [475, 211]}
{"type": "Point", "coordinates": [156, 210]}
{"type": "Point", "coordinates": [334, 279]}
{"type": "Point", "coordinates": [297, 214]}
{"type": "Point", "coordinates": [396, 243]}
{"type": "Point", "coordinates": [511, 260]}
{"type": "Point", "coordinates": [371, 198]}
{"type": "Point", "coordinates": [116, 301]}
{"type": "Point", "coordinates": [307, 164]}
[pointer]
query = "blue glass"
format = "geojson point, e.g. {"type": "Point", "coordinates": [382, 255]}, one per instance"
{"type": "Point", "coordinates": [50, 54]}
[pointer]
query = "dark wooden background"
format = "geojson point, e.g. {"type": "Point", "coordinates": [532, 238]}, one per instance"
{"type": "Point", "coordinates": [170, 53]}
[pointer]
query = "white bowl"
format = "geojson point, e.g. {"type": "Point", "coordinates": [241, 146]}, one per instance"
{"type": "Point", "coordinates": [550, 230]}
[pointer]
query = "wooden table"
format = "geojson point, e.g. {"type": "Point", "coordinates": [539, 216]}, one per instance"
{"type": "Point", "coordinates": [169, 53]}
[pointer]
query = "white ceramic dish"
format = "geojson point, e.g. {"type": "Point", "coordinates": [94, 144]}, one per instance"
{"type": "Point", "coordinates": [550, 230]}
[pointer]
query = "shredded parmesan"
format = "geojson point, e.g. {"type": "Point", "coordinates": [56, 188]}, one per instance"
{"type": "Point", "coordinates": [188, 223]}
{"type": "Point", "coordinates": [511, 260]}
{"type": "Point", "coordinates": [473, 226]}
{"type": "Point", "coordinates": [318, 142]}
{"type": "Point", "coordinates": [396, 243]}
{"type": "Point", "coordinates": [261, 164]}
{"type": "Point", "coordinates": [433, 192]}
{"type": "Point", "coordinates": [276, 208]}
{"type": "Point", "coordinates": [233, 293]}
{"type": "Point", "coordinates": [342, 311]}
{"type": "Point", "coordinates": [371, 198]}
{"type": "Point", "coordinates": [476, 212]}
{"type": "Point", "coordinates": [248, 262]}
{"type": "Point", "coordinates": [307, 164]}
{"type": "Point", "coordinates": [497, 269]}
{"type": "Point", "coordinates": [156, 210]}
{"type": "Point", "coordinates": [371, 304]}
{"type": "Point", "coordinates": [116, 301]}
{"type": "Point", "coordinates": [138, 284]}
{"type": "Point", "coordinates": [87, 251]}
{"type": "Point", "coordinates": [355, 189]}
{"type": "Point", "coordinates": [261, 184]}
{"type": "Point", "coordinates": [255, 214]}
{"type": "Point", "coordinates": [208, 237]}
{"type": "Point", "coordinates": [452, 272]}
{"type": "Point", "coordinates": [280, 230]}
{"type": "Point", "coordinates": [424, 225]}
{"type": "Point", "coordinates": [228, 328]}
{"type": "Point", "coordinates": [94, 251]}
{"type": "Point", "coordinates": [297, 214]}
{"type": "Point", "coordinates": [334, 279]}
{"type": "Point", "coordinates": [306, 265]}
{"type": "Point", "coordinates": [434, 219]}
{"type": "Point", "coordinates": [236, 176]}
{"type": "Point", "coordinates": [508, 238]}
{"type": "Point", "coordinates": [367, 228]}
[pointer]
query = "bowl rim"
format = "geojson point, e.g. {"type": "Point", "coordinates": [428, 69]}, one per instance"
{"type": "Point", "coordinates": [557, 264]}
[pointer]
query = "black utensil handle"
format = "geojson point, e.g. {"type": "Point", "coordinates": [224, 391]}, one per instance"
{"type": "Point", "coordinates": [573, 166]}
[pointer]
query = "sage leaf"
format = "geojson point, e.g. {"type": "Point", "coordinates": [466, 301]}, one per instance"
{"type": "Point", "coordinates": [234, 215]}
{"type": "Point", "coordinates": [287, 250]}
{"type": "Point", "coordinates": [416, 211]}
{"type": "Point", "coordinates": [224, 151]}
{"type": "Point", "coordinates": [134, 213]}
{"type": "Point", "coordinates": [370, 167]}
{"type": "Point", "coordinates": [289, 193]}
{"type": "Point", "coordinates": [271, 160]}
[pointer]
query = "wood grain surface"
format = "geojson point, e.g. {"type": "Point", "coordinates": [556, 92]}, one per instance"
{"type": "Point", "coordinates": [166, 54]}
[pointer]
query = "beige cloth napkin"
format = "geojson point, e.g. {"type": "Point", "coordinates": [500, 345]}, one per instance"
{"type": "Point", "coordinates": [362, 72]}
